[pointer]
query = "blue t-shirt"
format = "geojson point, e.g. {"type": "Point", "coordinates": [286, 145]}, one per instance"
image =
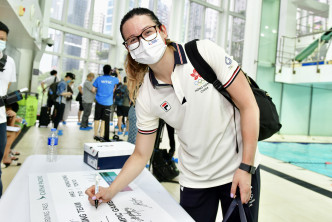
{"type": "Point", "coordinates": [62, 87]}
{"type": "Point", "coordinates": [105, 85]}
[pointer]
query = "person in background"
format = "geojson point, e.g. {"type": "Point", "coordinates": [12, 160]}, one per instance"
{"type": "Point", "coordinates": [62, 94]}
{"type": "Point", "coordinates": [215, 158]}
{"type": "Point", "coordinates": [87, 99]}
{"type": "Point", "coordinates": [122, 106]}
{"type": "Point", "coordinates": [46, 83]}
{"type": "Point", "coordinates": [7, 76]}
{"type": "Point", "coordinates": [12, 120]}
{"type": "Point", "coordinates": [115, 73]}
{"type": "Point", "coordinates": [68, 103]}
{"type": "Point", "coordinates": [79, 100]}
{"type": "Point", "coordinates": [103, 86]}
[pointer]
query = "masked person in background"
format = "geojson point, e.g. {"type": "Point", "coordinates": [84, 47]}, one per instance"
{"type": "Point", "coordinates": [163, 82]}
{"type": "Point", "coordinates": [68, 102]}
{"type": "Point", "coordinates": [46, 84]}
{"type": "Point", "coordinates": [62, 93]}
{"type": "Point", "coordinates": [7, 76]}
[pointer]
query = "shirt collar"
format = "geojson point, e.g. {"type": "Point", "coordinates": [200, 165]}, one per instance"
{"type": "Point", "coordinates": [179, 59]}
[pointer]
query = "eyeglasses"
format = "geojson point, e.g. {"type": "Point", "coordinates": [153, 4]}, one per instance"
{"type": "Point", "coordinates": [148, 34]}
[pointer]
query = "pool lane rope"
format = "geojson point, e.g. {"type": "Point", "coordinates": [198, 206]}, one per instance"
{"type": "Point", "coordinates": [326, 163]}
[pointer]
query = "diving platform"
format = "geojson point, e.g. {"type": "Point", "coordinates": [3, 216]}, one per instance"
{"type": "Point", "coordinates": [308, 72]}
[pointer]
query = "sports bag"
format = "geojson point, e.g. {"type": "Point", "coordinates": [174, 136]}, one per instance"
{"type": "Point", "coordinates": [119, 95]}
{"type": "Point", "coordinates": [269, 122]}
{"type": "Point", "coordinates": [244, 212]}
{"type": "Point", "coordinates": [52, 91]}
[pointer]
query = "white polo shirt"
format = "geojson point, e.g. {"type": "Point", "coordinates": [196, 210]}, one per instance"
{"type": "Point", "coordinates": [7, 76]}
{"type": "Point", "coordinates": [202, 117]}
{"type": "Point", "coordinates": [50, 80]}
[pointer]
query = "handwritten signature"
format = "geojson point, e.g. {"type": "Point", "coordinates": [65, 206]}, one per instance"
{"type": "Point", "coordinates": [134, 214]}
{"type": "Point", "coordinates": [139, 203]}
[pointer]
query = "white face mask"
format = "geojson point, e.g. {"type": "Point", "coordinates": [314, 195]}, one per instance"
{"type": "Point", "coordinates": [149, 52]}
{"type": "Point", "coordinates": [2, 45]}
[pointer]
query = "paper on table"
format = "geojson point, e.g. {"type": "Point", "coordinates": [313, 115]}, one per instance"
{"type": "Point", "coordinates": [71, 204]}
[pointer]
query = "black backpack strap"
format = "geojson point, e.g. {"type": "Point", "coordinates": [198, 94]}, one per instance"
{"type": "Point", "coordinates": [207, 73]}
{"type": "Point", "coordinates": [204, 69]}
{"type": "Point", "coordinates": [3, 62]}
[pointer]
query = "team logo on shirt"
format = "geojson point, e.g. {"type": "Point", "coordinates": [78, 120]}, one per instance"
{"type": "Point", "coordinates": [195, 75]}
{"type": "Point", "coordinates": [165, 106]}
{"type": "Point", "coordinates": [228, 60]}
{"type": "Point", "coordinates": [198, 78]}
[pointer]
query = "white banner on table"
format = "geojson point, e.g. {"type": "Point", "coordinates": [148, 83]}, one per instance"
{"type": "Point", "coordinates": [41, 205]}
{"type": "Point", "coordinates": [72, 205]}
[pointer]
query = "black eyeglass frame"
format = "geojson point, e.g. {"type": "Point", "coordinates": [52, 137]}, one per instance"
{"type": "Point", "coordinates": [141, 35]}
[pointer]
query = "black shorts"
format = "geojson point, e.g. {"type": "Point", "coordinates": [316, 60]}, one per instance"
{"type": "Point", "coordinates": [122, 110]}
{"type": "Point", "coordinates": [202, 204]}
{"type": "Point", "coordinates": [100, 111]}
{"type": "Point", "coordinates": [81, 105]}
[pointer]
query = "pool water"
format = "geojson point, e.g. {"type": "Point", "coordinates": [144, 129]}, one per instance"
{"type": "Point", "coordinates": [311, 156]}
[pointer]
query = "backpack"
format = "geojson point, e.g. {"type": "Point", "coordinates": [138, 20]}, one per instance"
{"type": "Point", "coordinates": [119, 95]}
{"type": "Point", "coordinates": [52, 91]}
{"type": "Point", "coordinates": [269, 118]}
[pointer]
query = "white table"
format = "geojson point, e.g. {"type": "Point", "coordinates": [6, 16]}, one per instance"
{"type": "Point", "coordinates": [14, 203]}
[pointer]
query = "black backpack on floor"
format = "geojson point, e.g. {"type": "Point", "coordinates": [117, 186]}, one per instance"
{"type": "Point", "coordinates": [163, 168]}
{"type": "Point", "coordinates": [269, 119]}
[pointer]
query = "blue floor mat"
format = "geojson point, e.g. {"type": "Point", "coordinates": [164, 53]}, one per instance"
{"type": "Point", "coordinates": [311, 156]}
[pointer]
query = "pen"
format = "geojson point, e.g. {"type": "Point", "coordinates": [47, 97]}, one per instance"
{"type": "Point", "coordinates": [96, 190]}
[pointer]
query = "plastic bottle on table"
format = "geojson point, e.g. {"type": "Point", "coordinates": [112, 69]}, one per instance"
{"type": "Point", "coordinates": [52, 146]}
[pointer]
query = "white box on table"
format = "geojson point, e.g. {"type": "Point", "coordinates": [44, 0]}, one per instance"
{"type": "Point", "coordinates": [108, 155]}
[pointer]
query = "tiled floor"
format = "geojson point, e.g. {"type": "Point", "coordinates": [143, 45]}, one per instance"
{"type": "Point", "coordinates": [281, 199]}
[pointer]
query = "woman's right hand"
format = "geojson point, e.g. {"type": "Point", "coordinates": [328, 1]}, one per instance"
{"type": "Point", "coordinates": [104, 195]}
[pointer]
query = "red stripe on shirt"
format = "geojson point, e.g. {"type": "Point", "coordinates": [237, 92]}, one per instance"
{"type": "Point", "coordinates": [146, 131]}
{"type": "Point", "coordinates": [232, 78]}
{"type": "Point", "coordinates": [179, 53]}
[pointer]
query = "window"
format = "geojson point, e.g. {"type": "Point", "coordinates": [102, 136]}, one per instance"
{"type": "Point", "coordinates": [164, 12]}
{"type": "Point", "coordinates": [146, 4]}
{"type": "Point", "coordinates": [238, 6]}
{"type": "Point", "coordinates": [211, 24]}
{"type": "Point", "coordinates": [108, 29]}
{"type": "Point", "coordinates": [95, 68]}
{"type": "Point", "coordinates": [214, 2]}
{"type": "Point", "coordinates": [236, 37]}
{"type": "Point", "coordinates": [56, 36]}
{"type": "Point", "coordinates": [195, 24]}
{"type": "Point", "coordinates": [57, 9]}
{"type": "Point", "coordinates": [47, 63]}
{"type": "Point", "coordinates": [75, 66]}
{"type": "Point", "coordinates": [184, 23]}
{"type": "Point", "coordinates": [103, 14]}
{"type": "Point", "coordinates": [99, 51]}
{"type": "Point", "coordinates": [131, 4]}
{"type": "Point", "coordinates": [308, 22]}
{"type": "Point", "coordinates": [78, 12]}
{"type": "Point", "coordinates": [75, 45]}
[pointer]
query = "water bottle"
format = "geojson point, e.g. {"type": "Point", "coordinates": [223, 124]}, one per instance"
{"type": "Point", "coordinates": [52, 146]}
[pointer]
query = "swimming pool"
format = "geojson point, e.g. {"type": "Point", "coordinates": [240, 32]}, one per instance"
{"type": "Point", "coordinates": [316, 157]}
